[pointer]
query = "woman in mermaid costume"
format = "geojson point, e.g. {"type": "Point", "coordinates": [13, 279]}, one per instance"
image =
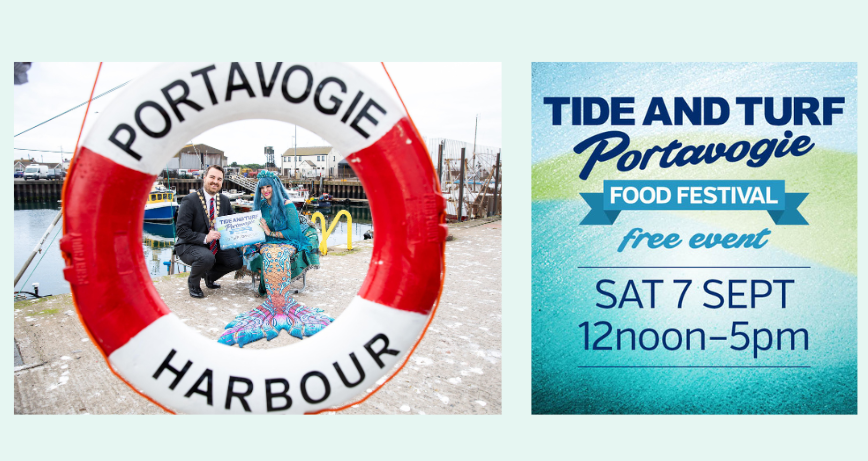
{"type": "Point", "coordinates": [284, 236]}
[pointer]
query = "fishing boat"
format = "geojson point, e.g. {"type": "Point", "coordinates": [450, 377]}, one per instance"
{"type": "Point", "coordinates": [161, 204]}
{"type": "Point", "coordinates": [323, 201]}
{"type": "Point", "coordinates": [298, 196]}
{"type": "Point", "coordinates": [242, 205]}
{"type": "Point", "coordinates": [233, 194]}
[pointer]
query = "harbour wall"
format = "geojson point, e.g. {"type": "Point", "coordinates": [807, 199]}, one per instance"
{"type": "Point", "coordinates": [48, 190]}
{"type": "Point", "coordinates": [40, 190]}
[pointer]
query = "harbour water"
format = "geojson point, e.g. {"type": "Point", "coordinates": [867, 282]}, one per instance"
{"type": "Point", "coordinates": [31, 219]}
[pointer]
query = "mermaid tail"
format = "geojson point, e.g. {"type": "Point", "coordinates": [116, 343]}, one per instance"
{"type": "Point", "coordinates": [279, 311]}
{"type": "Point", "coordinates": [266, 321]}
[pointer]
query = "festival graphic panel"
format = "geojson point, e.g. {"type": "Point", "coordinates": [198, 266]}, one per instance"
{"type": "Point", "coordinates": [694, 238]}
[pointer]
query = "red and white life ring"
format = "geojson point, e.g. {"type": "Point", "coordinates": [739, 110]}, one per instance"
{"type": "Point", "coordinates": [145, 344]}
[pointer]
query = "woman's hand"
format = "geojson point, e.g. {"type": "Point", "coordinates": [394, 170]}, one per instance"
{"type": "Point", "coordinates": [264, 225]}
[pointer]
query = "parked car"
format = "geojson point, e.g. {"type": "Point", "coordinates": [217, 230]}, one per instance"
{"type": "Point", "coordinates": [56, 173]}
{"type": "Point", "coordinates": [35, 172]}
{"type": "Point", "coordinates": [19, 174]}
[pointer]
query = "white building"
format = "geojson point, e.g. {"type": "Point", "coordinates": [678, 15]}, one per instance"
{"type": "Point", "coordinates": [310, 162]}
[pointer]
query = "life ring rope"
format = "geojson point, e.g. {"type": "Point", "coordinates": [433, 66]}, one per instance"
{"type": "Point", "coordinates": [93, 341]}
{"type": "Point", "coordinates": [439, 291]}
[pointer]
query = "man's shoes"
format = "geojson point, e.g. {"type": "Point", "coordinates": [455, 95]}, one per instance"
{"type": "Point", "coordinates": [211, 284]}
{"type": "Point", "coordinates": [195, 291]}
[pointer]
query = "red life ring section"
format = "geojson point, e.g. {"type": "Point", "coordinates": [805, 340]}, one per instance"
{"type": "Point", "coordinates": [149, 347]}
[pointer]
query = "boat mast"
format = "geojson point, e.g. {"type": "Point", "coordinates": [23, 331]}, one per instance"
{"type": "Point", "coordinates": [475, 128]}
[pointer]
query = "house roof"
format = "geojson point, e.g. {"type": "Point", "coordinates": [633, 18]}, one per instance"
{"type": "Point", "coordinates": [311, 164]}
{"type": "Point", "coordinates": [305, 151]}
{"type": "Point", "coordinates": [198, 149]}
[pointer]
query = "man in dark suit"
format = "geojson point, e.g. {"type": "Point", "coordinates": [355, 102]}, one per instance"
{"type": "Point", "coordinates": [198, 242]}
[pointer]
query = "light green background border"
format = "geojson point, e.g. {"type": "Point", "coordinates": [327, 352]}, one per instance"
{"type": "Point", "coordinates": [450, 30]}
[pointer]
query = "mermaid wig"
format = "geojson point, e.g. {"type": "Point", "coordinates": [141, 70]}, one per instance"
{"type": "Point", "coordinates": [283, 218]}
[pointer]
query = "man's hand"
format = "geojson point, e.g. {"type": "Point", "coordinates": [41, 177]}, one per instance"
{"type": "Point", "coordinates": [213, 235]}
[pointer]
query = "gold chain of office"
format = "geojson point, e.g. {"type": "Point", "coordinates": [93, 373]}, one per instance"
{"type": "Point", "coordinates": [216, 210]}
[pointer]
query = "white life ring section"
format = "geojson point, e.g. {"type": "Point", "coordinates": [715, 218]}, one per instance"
{"type": "Point", "coordinates": [149, 347]}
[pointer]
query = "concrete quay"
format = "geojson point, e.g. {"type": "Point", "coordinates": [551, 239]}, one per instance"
{"type": "Point", "coordinates": [455, 370]}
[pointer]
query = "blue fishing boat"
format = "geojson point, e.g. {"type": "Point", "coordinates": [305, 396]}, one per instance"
{"type": "Point", "coordinates": [323, 201]}
{"type": "Point", "coordinates": [161, 204]}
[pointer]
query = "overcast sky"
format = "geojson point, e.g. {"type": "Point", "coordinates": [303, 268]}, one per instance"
{"type": "Point", "coordinates": [442, 98]}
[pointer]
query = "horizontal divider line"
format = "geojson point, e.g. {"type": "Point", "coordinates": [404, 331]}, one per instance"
{"type": "Point", "coordinates": [693, 366]}
{"type": "Point", "coordinates": [693, 267]}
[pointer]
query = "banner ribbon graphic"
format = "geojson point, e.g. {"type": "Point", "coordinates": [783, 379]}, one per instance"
{"type": "Point", "coordinates": [657, 195]}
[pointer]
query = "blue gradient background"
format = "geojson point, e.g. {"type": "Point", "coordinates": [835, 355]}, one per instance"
{"type": "Point", "coordinates": [822, 300]}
